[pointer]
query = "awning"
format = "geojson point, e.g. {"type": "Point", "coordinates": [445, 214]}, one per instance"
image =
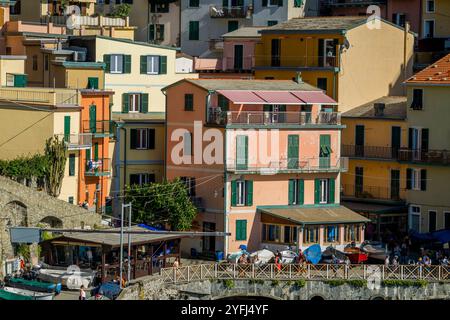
{"type": "Point", "coordinates": [314, 97]}
{"type": "Point", "coordinates": [241, 97]}
{"type": "Point", "coordinates": [279, 97]}
{"type": "Point", "coordinates": [314, 215]}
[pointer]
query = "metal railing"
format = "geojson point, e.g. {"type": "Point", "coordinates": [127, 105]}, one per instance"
{"type": "Point", "coordinates": [272, 118]}
{"type": "Point", "coordinates": [98, 127]}
{"type": "Point", "coordinates": [308, 272]}
{"type": "Point", "coordinates": [370, 152]}
{"type": "Point", "coordinates": [247, 63]}
{"type": "Point", "coordinates": [85, 21]}
{"type": "Point", "coordinates": [439, 157]}
{"type": "Point", "coordinates": [77, 141]}
{"type": "Point", "coordinates": [228, 12]}
{"type": "Point", "coordinates": [291, 165]}
{"type": "Point", "coordinates": [100, 167]}
{"type": "Point", "coordinates": [297, 61]}
{"type": "Point", "coordinates": [40, 96]}
{"type": "Point", "coordinates": [372, 192]}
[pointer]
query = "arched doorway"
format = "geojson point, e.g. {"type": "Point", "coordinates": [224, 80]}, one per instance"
{"type": "Point", "coordinates": [317, 298]}
{"type": "Point", "coordinates": [17, 213]}
{"type": "Point", "coordinates": [51, 222]}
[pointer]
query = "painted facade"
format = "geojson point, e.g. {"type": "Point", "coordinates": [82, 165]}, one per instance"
{"type": "Point", "coordinates": [353, 8]}
{"type": "Point", "coordinates": [240, 193]}
{"type": "Point", "coordinates": [12, 71]}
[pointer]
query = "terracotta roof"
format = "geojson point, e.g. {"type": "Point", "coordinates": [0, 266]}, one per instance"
{"type": "Point", "coordinates": [395, 108]}
{"type": "Point", "coordinates": [436, 73]}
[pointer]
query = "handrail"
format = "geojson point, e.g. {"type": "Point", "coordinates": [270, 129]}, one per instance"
{"type": "Point", "coordinates": [433, 273]}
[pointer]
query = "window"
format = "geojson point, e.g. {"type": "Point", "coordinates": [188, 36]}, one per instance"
{"type": "Point", "coordinates": [417, 103]}
{"type": "Point", "coordinates": [352, 233]}
{"type": "Point", "coordinates": [15, 8]}
{"type": "Point", "coordinates": [233, 25]}
{"type": "Point", "coordinates": [134, 102]}
{"type": "Point", "coordinates": [414, 218]}
{"type": "Point", "coordinates": [71, 165]}
{"type": "Point", "coordinates": [189, 182]}
{"type": "Point", "coordinates": [296, 191]}
{"type": "Point", "coordinates": [241, 193]}
{"type": "Point", "coordinates": [275, 3]}
{"type": "Point", "coordinates": [431, 220]}
{"type": "Point", "coordinates": [271, 23]}
{"type": "Point", "coordinates": [156, 32]}
{"type": "Point", "coordinates": [141, 178]}
{"type": "Point", "coordinates": [152, 64]}
{"type": "Point", "coordinates": [290, 234]}
{"type": "Point", "coordinates": [46, 62]}
{"type": "Point", "coordinates": [430, 6]}
{"type": "Point", "coordinates": [222, 102]}
{"type": "Point", "coordinates": [311, 234]}
{"type": "Point", "coordinates": [332, 234]}
{"type": "Point", "coordinates": [322, 83]}
{"type": "Point", "coordinates": [194, 3]}
{"type": "Point", "coordinates": [116, 63]}
{"type": "Point", "coordinates": [241, 230]}
{"type": "Point", "coordinates": [92, 83]}
{"type": "Point", "coordinates": [142, 139]}
{"type": "Point", "coordinates": [298, 3]}
{"type": "Point", "coordinates": [194, 30]}
{"type": "Point", "coordinates": [399, 19]}
{"type": "Point", "coordinates": [447, 220]}
{"type": "Point", "coordinates": [429, 29]}
{"type": "Point", "coordinates": [325, 151]}
{"type": "Point", "coordinates": [159, 7]}
{"type": "Point", "coordinates": [416, 179]}
{"type": "Point", "coordinates": [188, 102]}
{"type": "Point", "coordinates": [35, 62]}
{"type": "Point", "coordinates": [323, 191]}
{"type": "Point", "coordinates": [275, 52]}
{"type": "Point", "coordinates": [271, 233]}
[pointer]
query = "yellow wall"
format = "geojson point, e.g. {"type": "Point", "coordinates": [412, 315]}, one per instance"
{"type": "Point", "coordinates": [78, 78]}
{"type": "Point", "coordinates": [10, 66]}
{"type": "Point", "coordinates": [441, 17]}
{"type": "Point", "coordinates": [70, 183]}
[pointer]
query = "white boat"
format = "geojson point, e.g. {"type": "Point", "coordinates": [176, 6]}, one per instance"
{"type": "Point", "coordinates": [28, 293]}
{"type": "Point", "coordinates": [263, 256]}
{"type": "Point", "coordinates": [376, 252]}
{"type": "Point", "coordinates": [288, 256]}
{"type": "Point", "coordinates": [70, 279]}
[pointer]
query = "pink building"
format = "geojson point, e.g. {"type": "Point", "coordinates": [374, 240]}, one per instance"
{"type": "Point", "coordinates": [261, 158]}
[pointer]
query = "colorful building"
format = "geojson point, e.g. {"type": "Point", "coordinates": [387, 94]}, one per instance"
{"type": "Point", "coordinates": [375, 184]}
{"type": "Point", "coordinates": [333, 53]}
{"type": "Point", "coordinates": [277, 194]}
{"type": "Point", "coordinates": [352, 7]}
{"type": "Point", "coordinates": [435, 26]}
{"type": "Point", "coordinates": [427, 156]}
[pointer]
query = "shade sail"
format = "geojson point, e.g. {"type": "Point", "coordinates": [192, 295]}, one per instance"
{"type": "Point", "coordinates": [278, 97]}
{"type": "Point", "coordinates": [241, 97]}
{"type": "Point", "coordinates": [313, 97]}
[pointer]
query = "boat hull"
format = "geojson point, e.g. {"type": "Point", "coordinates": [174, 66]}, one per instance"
{"type": "Point", "coordinates": [28, 293]}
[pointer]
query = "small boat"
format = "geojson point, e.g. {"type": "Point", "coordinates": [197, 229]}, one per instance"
{"type": "Point", "coordinates": [28, 293]}
{"type": "Point", "coordinates": [288, 256]}
{"type": "Point", "coordinates": [264, 256]}
{"type": "Point", "coordinates": [375, 251]}
{"type": "Point", "coordinates": [33, 285]}
{"type": "Point", "coordinates": [356, 255]}
{"type": "Point", "coordinates": [6, 295]}
{"type": "Point", "coordinates": [329, 252]}
{"type": "Point", "coordinates": [68, 279]}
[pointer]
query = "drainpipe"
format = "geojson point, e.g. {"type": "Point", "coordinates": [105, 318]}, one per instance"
{"type": "Point", "coordinates": [405, 54]}
{"type": "Point", "coordinates": [166, 138]}
{"type": "Point", "coordinates": [225, 189]}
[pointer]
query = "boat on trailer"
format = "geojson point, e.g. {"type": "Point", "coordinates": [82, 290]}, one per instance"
{"type": "Point", "coordinates": [356, 255]}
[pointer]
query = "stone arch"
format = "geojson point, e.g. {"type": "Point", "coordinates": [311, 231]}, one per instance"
{"type": "Point", "coordinates": [238, 296]}
{"type": "Point", "coordinates": [17, 212]}
{"type": "Point", "coordinates": [316, 297]}
{"type": "Point", "coordinates": [377, 298]}
{"type": "Point", "coordinates": [51, 221]}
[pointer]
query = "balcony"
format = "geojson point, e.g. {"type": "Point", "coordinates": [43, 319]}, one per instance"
{"type": "Point", "coordinates": [435, 157]}
{"type": "Point", "coordinates": [352, 3]}
{"type": "Point", "coordinates": [245, 64]}
{"type": "Point", "coordinates": [41, 96]}
{"type": "Point", "coordinates": [99, 168]}
{"type": "Point", "coordinates": [100, 129]}
{"type": "Point", "coordinates": [77, 141]}
{"type": "Point", "coordinates": [251, 118]}
{"type": "Point", "coordinates": [370, 152]}
{"type": "Point", "coordinates": [79, 21]}
{"type": "Point", "coordinates": [232, 12]}
{"type": "Point", "coordinates": [312, 165]}
{"type": "Point", "coordinates": [297, 61]}
{"type": "Point", "coordinates": [351, 192]}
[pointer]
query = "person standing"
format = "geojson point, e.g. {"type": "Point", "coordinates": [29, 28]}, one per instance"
{"type": "Point", "coordinates": [82, 293]}
{"type": "Point", "coordinates": [386, 262]}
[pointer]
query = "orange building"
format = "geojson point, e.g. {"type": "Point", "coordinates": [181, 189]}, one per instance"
{"type": "Point", "coordinates": [95, 162]}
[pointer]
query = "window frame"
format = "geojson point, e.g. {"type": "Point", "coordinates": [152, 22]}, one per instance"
{"type": "Point", "coordinates": [427, 10]}
{"type": "Point", "coordinates": [324, 191]}
{"type": "Point", "coordinates": [357, 232]}
{"type": "Point", "coordinates": [142, 136]}
{"type": "Point", "coordinates": [131, 98]}
{"type": "Point", "coordinates": [241, 193]}
{"type": "Point", "coordinates": [435, 219]}
{"type": "Point", "coordinates": [412, 212]}
{"type": "Point", "coordinates": [151, 62]}
{"type": "Point", "coordinates": [306, 238]}
{"type": "Point", "coordinates": [415, 179]}
{"type": "Point", "coordinates": [417, 105]}
{"type": "Point", "coordinates": [115, 58]}
{"type": "Point", "coordinates": [433, 32]}
{"type": "Point", "coordinates": [337, 234]}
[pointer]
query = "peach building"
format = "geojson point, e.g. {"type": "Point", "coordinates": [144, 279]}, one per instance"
{"type": "Point", "coordinates": [261, 160]}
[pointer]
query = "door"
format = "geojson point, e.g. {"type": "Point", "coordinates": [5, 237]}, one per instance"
{"type": "Point", "coordinates": [238, 57]}
{"type": "Point", "coordinates": [329, 53]}
{"type": "Point", "coordinates": [276, 52]}
{"type": "Point", "coordinates": [395, 184]}
{"type": "Point", "coordinates": [395, 141]}
{"type": "Point", "coordinates": [293, 152]}
{"type": "Point", "coordinates": [93, 118]}
{"type": "Point", "coordinates": [325, 151]}
{"type": "Point", "coordinates": [209, 243]}
{"type": "Point", "coordinates": [359, 181]}
{"type": "Point", "coordinates": [431, 221]}
{"type": "Point", "coordinates": [359, 141]}
{"type": "Point", "coordinates": [66, 128]}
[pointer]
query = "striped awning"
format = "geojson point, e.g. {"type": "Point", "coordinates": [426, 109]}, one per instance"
{"type": "Point", "coordinates": [277, 97]}
{"type": "Point", "coordinates": [242, 97]}
{"type": "Point", "coordinates": [314, 97]}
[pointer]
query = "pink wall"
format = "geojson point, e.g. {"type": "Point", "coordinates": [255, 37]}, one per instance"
{"type": "Point", "coordinates": [412, 9]}
{"type": "Point", "coordinates": [249, 52]}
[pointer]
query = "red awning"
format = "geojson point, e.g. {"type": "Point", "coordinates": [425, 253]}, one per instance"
{"type": "Point", "coordinates": [241, 97]}
{"type": "Point", "coordinates": [278, 97]}
{"type": "Point", "coordinates": [314, 97]}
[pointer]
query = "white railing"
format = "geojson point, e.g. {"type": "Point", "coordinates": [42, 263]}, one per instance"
{"type": "Point", "coordinates": [86, 21]}
{"type": "Point", "coordinates": [77, 141]}
{"type": "Point", "coordinates": [308, 272]}
{"type": "Point", "coordinates": [40, 96]}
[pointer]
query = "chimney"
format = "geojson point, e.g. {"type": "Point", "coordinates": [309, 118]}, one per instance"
{"type": "Point", "coordinates": [379, 109]}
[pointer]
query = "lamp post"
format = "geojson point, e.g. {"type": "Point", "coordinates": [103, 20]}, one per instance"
{"type": "Point", "coordinates": [124, 206]}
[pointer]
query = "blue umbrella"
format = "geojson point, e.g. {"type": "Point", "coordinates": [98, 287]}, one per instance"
{"type": "Point", "coordinates": [313, 254]}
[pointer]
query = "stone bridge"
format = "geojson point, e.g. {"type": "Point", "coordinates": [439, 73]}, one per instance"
{"type": "Point", "coordinates": [24, 206]}
{"type": "Point", "coordinates": [293, 282]}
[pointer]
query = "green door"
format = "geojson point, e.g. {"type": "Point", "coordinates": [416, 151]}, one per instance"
{"type": "Point", "coordinates": [325, 151]}
{"type": "Point", "coordinates": [238, 57]}
{"type": "Point", "coordinates": [292, 152]}
{"type": "Point", "coordinates": [93, 118]}
{"type": "Point", "coordinates": [96, 151]}
{"type": "Point", "coordinates": [66, 128]}
{"type": "Point", "coordinates": [241, 152]}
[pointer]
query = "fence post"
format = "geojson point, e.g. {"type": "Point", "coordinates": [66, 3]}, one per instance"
{"type": "Point", "coordinates": [234, 271]}
{"type": "Point", "coordinates": [439, 273]}
{"type": "Point", "coordinates": [402, 274]}
{"type": "Point", "coordinates": [271, 271]}
{"type": "Point", "coordinates": [382, 273]}
{"type": "Point", "coordinates": [290, 271]}
{"type": "Point", "coordinates": [174, 275]}
{"type": "Point", "coordinates": [188, 273]}
{"type": "Point", "coordinates": [364, 272]}
{"type": "Point", "coordinates": [309, 271]}
{"type": "Point", "coordinates": [253, 271]}
{"type": "Point", "coordinates": [327, 270]}
{"type": "Point", "coordinates": [215, 271]}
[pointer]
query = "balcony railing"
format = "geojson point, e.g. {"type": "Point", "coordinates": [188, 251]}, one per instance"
{"type": "Point", "coordinates": [272, 118]}
{"type": "Point", "coordinates": [297, 61]}
{"type": "Point", "coordinates": [230, 63]}
{"type": "Point", "coordinates": [355, 151]}
{"type": "Point", "coordinates": [98, 128]}
{"type": "Point", "coordinates": [85, 21]}
{"type": "Point", "coordinates": [345, 3]}
{"type": "Point", "coordinates": [290, 166]}
{"type": "Point", "coordinates": [77, 141]}
{"type": "Point", "coordinates": [438, 157]}
{"type": "Point", "coordinates": [372, 192]}
{"type": "Point", "coordinates": [41, 96]}
{"type": "Point", "coordinates": [228, 12]}
{"type": "Point", "coordinates": [100, 167]}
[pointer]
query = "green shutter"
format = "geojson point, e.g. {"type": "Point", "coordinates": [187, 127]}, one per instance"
{"type": "Point", "coordinates": [88, 157]}
{"type": "Point", "coordinates": [325, 150]}
{"type": "Point", "coordinates": [241, 152]}
{"type": "Point", "coordinates": [280, 3]}
{"type": "Point", "coordinates": [223, 103]}
{"type": "Point", "coordinates": [298, 3]}
{"type": "Point", "coordinates": [267, 108]}
{"type": "Point", "coordinates": [125, 103]}
{"type": "Point", "coordinates": [127, 63]}
{"type": "Point", "coordinates": [188, 102]}
{"type": "Point", "coordinates": [331, 188]}
{"type": "Point", "coordinates": [249, 190]}
{"type": "Point", "coordinates": [96, 151]}
{"type": "Point", "coordinates": [151, 34]}
{"type": "Point", "coordinates": [143, 64]}
{"type": "Point", "coordinates": [193, 30]}
{"type": "Point", "coordinates": [241, 230]}
{"type": "Point", "coordinates": [293, 151]}
{"type": "Point", "coordinates": [162, 65]}
{"type": "Point", "coordinates": [92, 83]}
{"type": "Point", "coordinates": [291, 191]}
{"type": "Point", "coordinates": [301, 191]}
{"type": "Point", "coordinates": [20, 80]}
{"type": "Point", "coordinates": [66, 128]}
{"type": "Point", "coordinates": [93, 118]}
{"type": "Point", "coordinates": [316, 191]}
{"type": "Point", "coordinates": [71, 164]}
{"type": "Point", "coordinates": [233, 193]}
{"type": "Point", "coordinates": [144, 103]}
{"type": "Point", "coordinates": [107, 61]}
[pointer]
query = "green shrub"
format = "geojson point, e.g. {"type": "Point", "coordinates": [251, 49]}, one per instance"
{"type": "Point", "coordinates": [275, 283]}
{"type": "Point", "coordinates": [405, 283]}
{"type": "Point", "coordinates": [229, 284]}
{"type": "Point", "coordinates": [335, 282]}
{"type": "Point", "coordinates": [357, 283]}
{"type": "Point", "coordinates": [299, 283]}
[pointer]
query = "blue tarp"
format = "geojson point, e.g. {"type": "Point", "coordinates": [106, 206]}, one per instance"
{"type": "Point", "coordinates": [313, 254]}
{"type": "Point", "coordinates": [442, 236]}
{"type": "Point", "coordinates": [142, 225]}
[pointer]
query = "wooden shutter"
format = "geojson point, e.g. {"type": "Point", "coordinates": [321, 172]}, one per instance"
{"type": "Point", "coordinates": [193, 30]}
{"type": "Point", "coordinates": [408, 179]}
{"type": "Point", "coordinates": [410, 138]}
{"type": "Point", "coordinates": [160, 33]}
{"type": "Point", "coordinates": [188, 102]}
{"type": "Point", "coordinates": [66, 128]}
{"type": "Point", "coordinates": [241, 152]}
{"type": "Point", "coordinates": [241, 230]}
{"type": "Point", "coordinates": [151, 32]}
{"type": "Point", "coordinates": [249, 191]}
{"type": "Point", "coordinates": [301, 191]}
{"type": "Point", "coordinates": [316, 191]}
{"type": "Point", "coordinates": [423, 179]}
{"type": "Point", "coordinates": [125, 102]}
{"type": "Point", "coordinates": [143, 64]}
{"type": "Point", "coordinates": [293, 151]}
{"type": "Point", "coordinates": [71, 164]}
{"type": "Point", "coordinates": [233, 193]}
{"type": "Point", "coordinates": [144, 102]}
{"type": "Point", "coordinates": [331, 190]}
{"type": "Point", "coordinates": [133, 138]}
{"type": "Point", "coordinates": [162, 65]}
{"type": "Point", "coordinates": [151, 139]}
{"type": "Point", "coordinates": [92, 83]}
{"type": "Point", "coordinates": [107, 61]}
{"type": "Point", "coordinates": [93, 118]}
{"type": "Point", "coordinates": [291, 191]}
{"type": "Point", "coordinates": [425, 139]}
{"type": "Point", "coordinates": [127, 63]}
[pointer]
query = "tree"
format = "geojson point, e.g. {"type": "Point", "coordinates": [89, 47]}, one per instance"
{"type": "Point", "coordinates": [162, 203]}
{"type": "Point", "coordinates": [122, 10]}
{"type": "Point", "coordinates": [55, 152]}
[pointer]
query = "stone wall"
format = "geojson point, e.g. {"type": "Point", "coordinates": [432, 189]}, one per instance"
{"type": "Point", "coordinates": [24, 206]}
{"type": "Point", "coordinates": [152, 288]}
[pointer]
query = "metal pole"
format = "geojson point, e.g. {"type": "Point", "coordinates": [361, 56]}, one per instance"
{"type": "Point", "coordinates": [121, 245]}
{"type": "Point", "coordinates": [129, 243]}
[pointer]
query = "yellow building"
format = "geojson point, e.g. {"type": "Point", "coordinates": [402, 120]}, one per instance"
{"type": "Point", "coordinates": [354, 61]}
{"type": "Point", "coordinates": [428, 153]}
{"type": "Point", "coordinates": [12, 71]}
{"type": "Point", "coordinates": [435, 19]}
{"type": "Point", "coordinates": [375, 184]}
